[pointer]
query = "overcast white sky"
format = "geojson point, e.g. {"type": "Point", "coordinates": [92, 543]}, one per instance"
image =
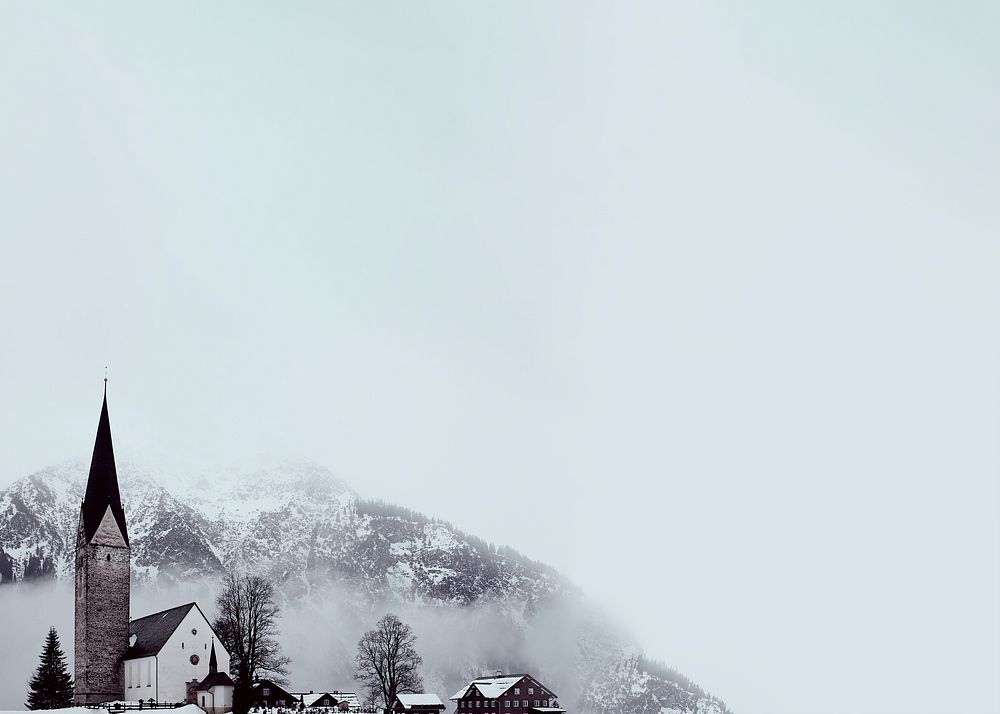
{"type": "Point", "coordinates": [716, 286]}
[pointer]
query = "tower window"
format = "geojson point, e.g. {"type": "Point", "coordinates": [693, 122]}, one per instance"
{"type": "Point", "coordinates": [109, 557]}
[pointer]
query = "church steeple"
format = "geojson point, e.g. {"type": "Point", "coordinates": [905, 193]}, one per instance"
{"type": "Point", "coordinates": [213, 663]}
{"type": "Point", "coordinates": [103, 561]}
{"type": "Point", "coordinates": [102, 484]}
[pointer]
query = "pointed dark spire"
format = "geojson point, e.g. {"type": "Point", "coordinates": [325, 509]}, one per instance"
{"type": "Point", "coordinates": [102, 484]}
{"type": "Point", "coordinates": [213, 663]}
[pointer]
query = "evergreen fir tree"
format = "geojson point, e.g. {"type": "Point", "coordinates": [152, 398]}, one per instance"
{"type": "Point", "coordinates": [51, 687]}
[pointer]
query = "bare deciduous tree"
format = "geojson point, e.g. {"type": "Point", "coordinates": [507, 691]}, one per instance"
{"type": "Point", "coordinates": [387, 661]}
{"type": "Point", "coordinates": [247, 624]}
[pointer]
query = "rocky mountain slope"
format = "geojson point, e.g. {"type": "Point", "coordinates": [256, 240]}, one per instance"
{"type": "Point", "coordinates": [311, 532]}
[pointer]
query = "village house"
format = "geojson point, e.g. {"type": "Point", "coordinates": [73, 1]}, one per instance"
{"type": "Point", "coordinates": [317, 700]}
{"type": "Point", "coordinates": [346, 701]}
{"type": "Point", "coordinates": [268, 695]}
{"type": "Point", "coordinates": [334, 700]}
{"type": "Point", "coordinates": [417, 703]}
{"type": "Point", "coordinates": [511, 693]}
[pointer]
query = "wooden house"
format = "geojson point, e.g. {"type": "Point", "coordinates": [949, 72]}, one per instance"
{"type": "Point", "coordinates": [268, 695]}
{"type": "Point", "coordinates": [506, 693]}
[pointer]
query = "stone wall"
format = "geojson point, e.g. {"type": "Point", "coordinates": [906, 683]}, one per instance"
{"type": "Point", "coordinates": [102, 617]}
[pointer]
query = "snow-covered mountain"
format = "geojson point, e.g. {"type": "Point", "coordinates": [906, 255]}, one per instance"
{"type": "Point", "coordinates": [307, 529]}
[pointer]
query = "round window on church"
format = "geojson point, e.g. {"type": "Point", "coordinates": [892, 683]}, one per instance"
{"type": "Point", "coordinates": [194, 659]}
{"type": "Point", "coordinates": [194, 630]}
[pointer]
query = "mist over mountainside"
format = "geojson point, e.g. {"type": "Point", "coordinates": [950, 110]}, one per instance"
{"type": "Point", "coordinates": [341, 561]}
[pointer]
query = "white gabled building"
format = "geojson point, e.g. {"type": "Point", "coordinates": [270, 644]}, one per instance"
{"type": "Point", "coordinates": [168, 651]}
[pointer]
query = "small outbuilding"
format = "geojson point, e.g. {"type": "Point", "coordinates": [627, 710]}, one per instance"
{"type": "Point", "coordinates": [215, 693]}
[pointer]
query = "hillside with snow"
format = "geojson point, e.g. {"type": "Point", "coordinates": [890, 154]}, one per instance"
{"type": "Point", "coordinates": [340, 560]}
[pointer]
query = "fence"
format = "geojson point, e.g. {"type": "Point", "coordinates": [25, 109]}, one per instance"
{"type": "Point", "coordinates": [133, 706]}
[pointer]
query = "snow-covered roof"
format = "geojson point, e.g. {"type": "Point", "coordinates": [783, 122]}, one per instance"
{"type": "Point", "coordinates": [153, 631]}
{"type": "Point", "coordinates": [421, 700]}
{"type": "Point", "coordinates": [312, 699]}
{"type": "Point", "coordinates": [215, 679]}
{"type": "Point", "coordinates": [490, 687]}
{"type": "Point", "coordinates": [350, 697]}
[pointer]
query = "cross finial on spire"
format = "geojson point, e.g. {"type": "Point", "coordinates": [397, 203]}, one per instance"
{"type": "Point", "coordinates": [213, 662]}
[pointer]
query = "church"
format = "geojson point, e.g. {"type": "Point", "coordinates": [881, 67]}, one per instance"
{"type": "Point", "coordinates": [170, 657]}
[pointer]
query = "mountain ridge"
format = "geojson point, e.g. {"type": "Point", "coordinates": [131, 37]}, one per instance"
{"type": "Point", "coordinates": [298, 523]}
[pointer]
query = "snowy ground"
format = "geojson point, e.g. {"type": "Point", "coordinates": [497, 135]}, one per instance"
{"type": "Point", "coordinates": [71, 710]}
{"type": "Point", "coordinates": [186, 709]}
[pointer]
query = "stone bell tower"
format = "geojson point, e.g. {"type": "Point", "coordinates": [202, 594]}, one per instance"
{"type": "Point", "coordinates": [102, 578]}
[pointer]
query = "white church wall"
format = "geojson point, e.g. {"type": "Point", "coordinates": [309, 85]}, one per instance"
{"type": "Point", "coordinates": [193, 636]}
{"type": "Point", "coordinates": [140, 679]}
{"type": "Point", "coordinates": [216, 700]}
{"type": "Point", "coordinates": [223, 697]}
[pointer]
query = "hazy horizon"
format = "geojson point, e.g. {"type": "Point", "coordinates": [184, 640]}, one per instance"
{"type": "Point", "coordinates": [714, 286]}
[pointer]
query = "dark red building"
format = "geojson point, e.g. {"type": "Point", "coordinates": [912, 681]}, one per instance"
{"type": "Point", "coordinates": [506, 694]}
